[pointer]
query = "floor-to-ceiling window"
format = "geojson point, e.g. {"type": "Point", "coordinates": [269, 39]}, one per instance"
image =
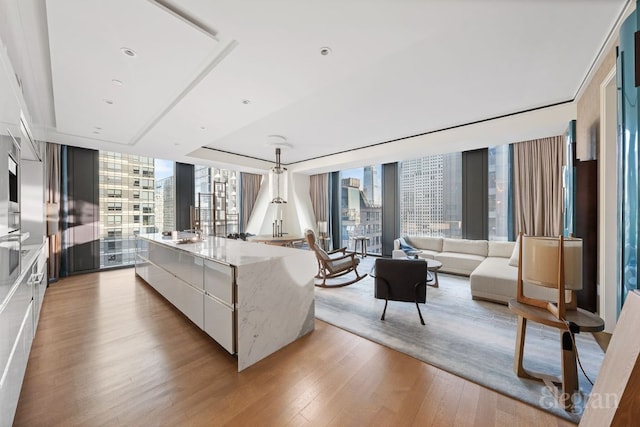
{"type": "Point", "coordinates": [361, 207]}
{"type": "Point", "coordinates": [126, 186]}
{"type": "Point", "coordinates": [431, 196]}
{"type": "Point", "coordinates": [217, 192]}
{"type": "Point", "coordinates": [499, 195]}
{"type": "Point", "coordinates": [165, 196]}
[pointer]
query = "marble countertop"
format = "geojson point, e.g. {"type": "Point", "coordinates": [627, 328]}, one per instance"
{"type": "Point", "coordinates": [228, 251]}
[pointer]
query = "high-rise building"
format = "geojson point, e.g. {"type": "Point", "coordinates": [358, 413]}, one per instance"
{"type": "Point", "coordinates": [165, 207]}
{"type": "Point", "coordinates": [360, 217]}
{"type": "Point", "coordinates": [499, 177]}
{"type": "Point", "coordinates": [126, 185]}
{"type": "Point", "coordinates": [227, 209]}
{"type": "Point", "coordinates": [431, 196]}
{"type": "Point", "coordinates": [371, 185]}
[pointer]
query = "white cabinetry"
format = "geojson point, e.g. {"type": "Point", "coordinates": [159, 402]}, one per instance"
{"type": "Point", "coordinates": [19, 313]}
{"type": "Point", "coordinates": [219, 304]}
{"type": "Point", "coordinates": [252, 299]}
{"type": "Point", "coordinates": [177, 276]}
{"type": "Point", "coordinates": [202, 290]}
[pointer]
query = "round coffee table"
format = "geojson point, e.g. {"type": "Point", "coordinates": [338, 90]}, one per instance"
{"type": "Point", "coordinates": [432, 269]}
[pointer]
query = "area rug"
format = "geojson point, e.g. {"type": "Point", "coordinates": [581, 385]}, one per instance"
{"type": "Point", "coordinates": [472, 339]}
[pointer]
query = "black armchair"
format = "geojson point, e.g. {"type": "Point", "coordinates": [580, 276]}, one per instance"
{"type": "Point", "coordinates": [401, 280]}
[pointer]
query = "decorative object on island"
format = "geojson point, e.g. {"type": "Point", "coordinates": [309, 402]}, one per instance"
{"type": "Point", "coordinates": [277, 226]}
{"type": "Point", "coordinates": [333, 264]}
{"type": "Point", "coordinates": [277, 175]}
{"type": "Point", "coordinates": [552, 263]}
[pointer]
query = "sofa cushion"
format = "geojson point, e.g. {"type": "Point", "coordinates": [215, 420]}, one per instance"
{"type": "Point", "coordinates": [464, 246]}
{"type": "Point", "coordinates": [500, 249]}
{"type": "Point", "coordinates": [458, 263]}
{"type": "Point", "coordinates": [426, 253]}
{"type": "Point", "coordinates": [495, 280]}
{"type": "Point", "coordinates": [424, 242]}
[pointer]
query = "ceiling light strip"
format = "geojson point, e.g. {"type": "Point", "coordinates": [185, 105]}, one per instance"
{"type": "Point", "coordinates": [204, 73]}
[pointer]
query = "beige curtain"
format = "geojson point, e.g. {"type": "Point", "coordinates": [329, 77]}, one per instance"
{"type": "Point", "coordinates": [537, 186]}
{"type": "Point", "coordinates": [249, 188]}
{"type": "Point", "coordinates": [52, 164]}
{"type": "Point", "coordinates": [319, 191]}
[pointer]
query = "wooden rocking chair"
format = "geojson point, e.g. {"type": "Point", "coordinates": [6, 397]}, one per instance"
{"type": "Point", "coordinates": [333, 264]}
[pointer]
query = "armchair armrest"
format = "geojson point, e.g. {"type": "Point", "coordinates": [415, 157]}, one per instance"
{"type": "Point", "coordinates": [335, 251]}
{"type": "Point", "coordinates": [349, 255]}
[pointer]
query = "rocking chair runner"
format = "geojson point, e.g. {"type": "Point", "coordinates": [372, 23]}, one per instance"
{"type": "Point", "coordinates": [334, 263]}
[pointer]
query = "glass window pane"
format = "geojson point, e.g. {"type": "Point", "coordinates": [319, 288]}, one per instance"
{"type": "Point", "coordinates": [431, 196]}
{"type": "Point", "coordinates": [164, 194]}
{"type": "Point", "coordinates": [227, 207]}
{"type": "Point", "coordinates": [361, 207]}
{"type": "Point", "coordinates": [117, 220]}
{"type": "Point", "coordinates": [499, 192]}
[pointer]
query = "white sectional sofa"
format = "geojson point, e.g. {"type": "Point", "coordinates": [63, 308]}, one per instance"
{"type": "Point", "coordinates": [458, 256]}
{"type": "Point", "coordinates": [486, 262]}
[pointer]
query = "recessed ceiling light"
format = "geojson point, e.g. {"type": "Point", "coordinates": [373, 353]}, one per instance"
{"type": "Point", "coordinates": [129, 52]}
{"type": "Point", "coordinates": [97, 127]}
{"type": "Point", "coordinates": [108, 101]}
{"type": "Point", "coordinates": [176, 143]}
{"type": "Point", "coordinates": [246, 101]}
{"type": "Point", "coordinates": [324, 51]}
{"type": "Point", "coordinates": [203, 127]}
{"type": "Point", "coordinates": [116, 82]}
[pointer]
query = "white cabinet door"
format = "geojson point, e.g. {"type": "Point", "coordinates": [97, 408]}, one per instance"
{"type": "Point", "coordinates": [12, 374]}
{"type": "Point", "coordinates": [184, 297]}
{"type": "Point", "coordinates": [218, 323]}
{"type": "Point", "coordinates": [188, 300]}
{"type": "Point", "coordinates": [179, 263]}
{"type": "Point", "coordinates": [11, 318]}
{"type": "Point", "coordinates": [218, 281]}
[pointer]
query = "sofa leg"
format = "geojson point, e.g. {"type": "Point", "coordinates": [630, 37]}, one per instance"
{"type": "Point", "coordinates": [385, 308]}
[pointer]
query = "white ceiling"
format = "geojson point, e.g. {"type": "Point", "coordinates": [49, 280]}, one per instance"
{"type": "Point", "coordinates": [398, 68]}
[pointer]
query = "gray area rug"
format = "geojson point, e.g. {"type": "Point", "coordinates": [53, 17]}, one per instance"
{"type": "Point", "coordinates": [472, 339]}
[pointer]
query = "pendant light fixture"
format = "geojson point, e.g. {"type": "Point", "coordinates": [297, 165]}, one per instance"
{"type": "Point", "coordinates": [278, 173]}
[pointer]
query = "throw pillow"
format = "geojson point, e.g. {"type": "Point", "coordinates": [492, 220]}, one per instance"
{"type": "Point", "coordinates": [515, 255]}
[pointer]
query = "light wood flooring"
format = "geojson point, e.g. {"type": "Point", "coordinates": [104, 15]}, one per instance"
{"type": "Point", "coordinates": [109, 350]}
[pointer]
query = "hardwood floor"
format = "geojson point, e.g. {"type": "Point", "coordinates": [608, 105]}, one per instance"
{"type": "Point", "coordinates": [109, 350]}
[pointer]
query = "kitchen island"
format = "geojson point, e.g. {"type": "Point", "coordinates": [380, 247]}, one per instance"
{"type": "Point", "coordinates": [252, 299]}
